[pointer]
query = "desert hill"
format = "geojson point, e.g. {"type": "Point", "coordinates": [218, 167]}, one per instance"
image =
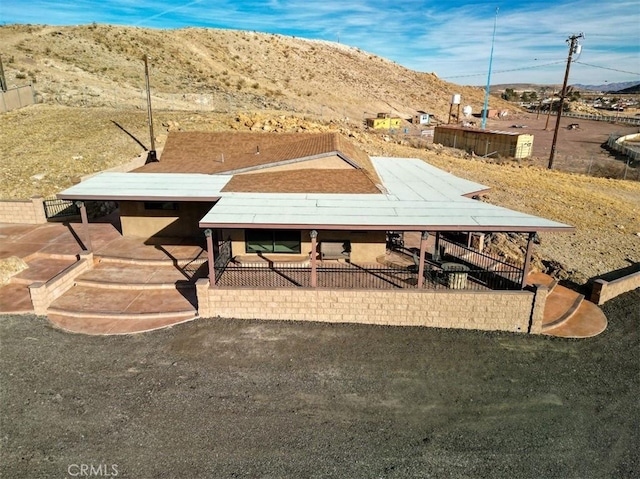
{"type": "Point", "coordinates": [219, 70]}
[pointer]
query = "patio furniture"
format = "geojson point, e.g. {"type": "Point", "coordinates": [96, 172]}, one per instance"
{"type": "Point", "coordinates": [456, 275]}
{"type": "Point", "coordinates": [395, 240]}
{"type": "Point", "coordinates": [335, 250]}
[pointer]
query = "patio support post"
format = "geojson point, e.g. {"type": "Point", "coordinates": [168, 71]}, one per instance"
{"type": "Point", "coordinates": [85, 225]}
{"type": "Point", "coordinates": [210, 258]}
{"type": "Point", "coordinates": [436, 250]}
{"type": "Point", "coordinates": [314, 244]}
{"type": "Point", "coordinates": [423, 247]}
{"type": "Point", "coordinates": [527, 260]}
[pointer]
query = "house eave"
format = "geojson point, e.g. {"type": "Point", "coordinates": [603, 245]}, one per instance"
{"type": "Point", "coordinates": [391, 227]}
{"type": "Point", "coordinates": [86, 197]}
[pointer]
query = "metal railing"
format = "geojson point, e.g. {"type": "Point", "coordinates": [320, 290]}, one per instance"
{"type": "Point", "coordinates": [486, 269]}
{"type": "Point", "coordinates": [606, 118]}
{"type": "Point", "coordinates": [362, 276]}
{"type": "Point", "coordinates": [223, 257]}
{"type": "Point", "coordinates": [55, 208]}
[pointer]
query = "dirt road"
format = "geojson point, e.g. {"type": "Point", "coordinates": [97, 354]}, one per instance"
{"type": "Point", "coordinates": [224, 398]}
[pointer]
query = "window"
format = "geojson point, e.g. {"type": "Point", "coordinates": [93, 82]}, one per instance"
{"type": "Point", "coordinates": [161, 205]}
{"type": "Point", "coordinates": [272, 241]}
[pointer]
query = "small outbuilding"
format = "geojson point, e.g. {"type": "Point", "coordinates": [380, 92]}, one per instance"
{"type": "Point", "coordinates": [384, 121]}
{"type": "Point", "coordinates": [421, 118]}
{"type": "Point", "coordinates": [485, 142]}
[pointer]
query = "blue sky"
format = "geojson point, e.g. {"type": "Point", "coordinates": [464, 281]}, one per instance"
{"type": "Point", "coordinates": [449, 37]}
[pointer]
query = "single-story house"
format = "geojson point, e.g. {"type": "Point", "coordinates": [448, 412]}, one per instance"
{"type": "Point", "coordinates": [268, 191]}
{"type": "Point", "coordinates": [317, 211]}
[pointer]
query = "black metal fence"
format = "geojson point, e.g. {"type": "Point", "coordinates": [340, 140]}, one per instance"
{"type": "Point", "coordinates": [460, 267]}
{"type": "Point", "coordinates": [55, 208]}
{"type": "Point", "coordinates": [493, 272]}
{"type": "Point", "coordinates": [360, 276]}
{"type": "Point", "coordinates": [223, 256]}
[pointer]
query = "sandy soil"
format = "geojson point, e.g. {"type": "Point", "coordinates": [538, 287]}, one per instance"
{"type": "Point", "coordinates": [231, 398]}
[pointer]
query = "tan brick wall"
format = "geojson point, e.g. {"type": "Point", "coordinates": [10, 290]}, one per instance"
{"type": "Point", "coordinates": [507, 311]}
{"type": "Point", "coordinates": [603, 290]}
{"type": "Point", "coordinates": [23, 211]}
{"type": "Point", "coordinates": [43, 294]}
{"type": "Point", "coordinates": [537, 311]}
{"type": "Point", "coordinates": [203, 298]}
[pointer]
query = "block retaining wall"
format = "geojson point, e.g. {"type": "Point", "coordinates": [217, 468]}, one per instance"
{"type": "Point", "coordinates": [603, 290]}
{"type": "Point", "coordinates": [29, 211]}
{"type": "Point", "coordinates": [516, 311]}
{"type": "Point", "coordinates": [43, 294]}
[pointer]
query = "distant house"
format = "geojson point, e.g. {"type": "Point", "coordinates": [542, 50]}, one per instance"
{"type": "Point", "coordinates": [384, 121]}
{"type": "Point", "coordinates": [421, 118]}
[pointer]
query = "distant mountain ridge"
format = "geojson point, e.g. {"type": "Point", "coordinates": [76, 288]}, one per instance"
{"type": "Point", "coordinates": [611, 87]}
{"type": "Point", "coordinates": [621, 87]}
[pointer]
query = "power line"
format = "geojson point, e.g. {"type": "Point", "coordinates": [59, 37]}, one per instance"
{"type": "Point", "coordinates": [505, 71]}
{"type": "Point", "coordinates": [606, 68]}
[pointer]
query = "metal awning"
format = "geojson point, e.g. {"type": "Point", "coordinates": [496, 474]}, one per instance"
{"type": "Point", "coordinates": [148, 187]}
{"type": "Point", "coordinates": [418, 197]}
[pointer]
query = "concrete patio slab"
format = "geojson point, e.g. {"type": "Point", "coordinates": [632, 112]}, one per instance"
{"type": "Point", "coordinates": [15, 299]}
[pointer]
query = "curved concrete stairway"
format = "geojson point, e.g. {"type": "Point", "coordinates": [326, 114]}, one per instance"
{"type": "Point", "coordinates": [567, 314]}
{"type": "Point", "coordinates": [130, 292]}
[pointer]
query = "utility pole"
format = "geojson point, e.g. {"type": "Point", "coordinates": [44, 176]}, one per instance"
{"type": "Point", "coordinates": [573, 48]}
{"type": "Point", "coordinates": [151, 155]}
{"type": "Point", "coordinates": [3, 81]}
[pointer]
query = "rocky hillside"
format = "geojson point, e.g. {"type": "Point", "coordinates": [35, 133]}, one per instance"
{"type": "Point", "coordinates": [219, 70]}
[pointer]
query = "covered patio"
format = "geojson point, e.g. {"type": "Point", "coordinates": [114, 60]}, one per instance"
{"type": "Point", "coordinates": [445, 265]}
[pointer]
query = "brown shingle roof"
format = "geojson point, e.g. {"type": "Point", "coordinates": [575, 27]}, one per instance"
{"type": "Point", "coordinates": [303, 181]}
{"type": "Point", "coordinates": [214, 152]}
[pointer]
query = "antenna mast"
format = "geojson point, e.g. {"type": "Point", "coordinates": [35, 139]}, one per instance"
{"type": "Point", "coordinates": [488, 88]}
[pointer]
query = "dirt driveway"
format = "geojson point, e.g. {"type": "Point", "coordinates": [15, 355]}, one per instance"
{"type": "Point", "coordinates": [224, 398]}
{"type": "Point", "coordinates": [578, 150]}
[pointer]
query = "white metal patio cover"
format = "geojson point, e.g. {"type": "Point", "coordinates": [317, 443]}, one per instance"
{"type": "Point", "coordinates": [417, 197]}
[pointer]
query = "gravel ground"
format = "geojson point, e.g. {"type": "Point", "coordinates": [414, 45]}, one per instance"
{"type": "Point", "coordinates": [231, 398]}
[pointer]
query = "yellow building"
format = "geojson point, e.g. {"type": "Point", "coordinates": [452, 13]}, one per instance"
{"type": "Point", "coordinates": [384, 121]}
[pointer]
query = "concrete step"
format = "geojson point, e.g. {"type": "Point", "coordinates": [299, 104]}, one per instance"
{"type": "Point", "coordinates": [115, 276]}
{"type": "Point", "coordinates": [89, 310]}
{"type": "Point", "coordinates": [109, 325]}
{"type": "Point", "coordinates": [587, 321]}
{"type": "Point", "coordinates": [154, 262]}
{"type": "Point", "coordinates": [542, 278]}
{"type": "Point", "coordinates": [561, 304]}
{"type": "Point", "coordinates": [42, 268]}
{"type": "Point", "coordinates": [102, 302]}
{"type": "Point", "coordinates": [87, 283]}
